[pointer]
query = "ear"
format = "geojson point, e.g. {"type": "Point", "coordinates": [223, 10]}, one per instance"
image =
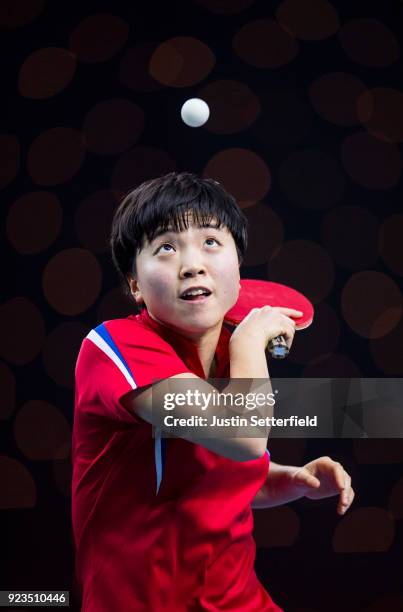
{"type": "Point", "coordinates": [132, 282]}
{"type": "Point", "coordinates": [134, 289]}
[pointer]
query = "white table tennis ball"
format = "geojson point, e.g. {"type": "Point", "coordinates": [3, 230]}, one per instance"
{"type": "Point", "coordinates": [195, 112]}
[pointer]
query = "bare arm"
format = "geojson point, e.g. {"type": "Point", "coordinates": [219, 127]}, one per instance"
{"type": "Point", "coordinates": [247, 361]}
{"type": "Point", "coordinates": [317, 479]}
{"type": "Point", "coordinates": [275, 490]}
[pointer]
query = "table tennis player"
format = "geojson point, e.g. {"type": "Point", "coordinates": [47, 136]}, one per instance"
{"type": "Point", "coordinates": [165, 523]}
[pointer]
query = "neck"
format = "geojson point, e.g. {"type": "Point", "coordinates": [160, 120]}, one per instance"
{"type": "Point", "coordinates": [206, 344]}
{"type": "Point", "coordinates": [206, 347]}
{"type": "Point", "coordinates": [206, 355]}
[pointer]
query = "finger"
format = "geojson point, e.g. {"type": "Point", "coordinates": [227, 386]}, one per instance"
{"type": "Point", "coordinates": [289, 331]}
{"type": "Point", "coordinates": [309, 479]}
{"type": "Point", "coordinates": [343, 504]}
{"type": "Point", "coordinates": [340, 476]}
{"type": "Point", "coordinates": [289, 337]}
{"type": "Point", "coordinates": [312, 481]}
{"type": "Point", "coordinates": [345, 501]}
{"type": "Point", "coordinates": [285, 327]}
{"type": "Point", "coordinates": [250, 313]}
{"type": "Point", "coordinates": [351, 495]}
{"type": "Point", "coordinates": [290, 312]}
{"type": "Point", "coordinates": [342, 507]}
{"type": "Point", "coordinates": [305, 478]}
{"type": "Point", "coordinates": [288, 323]}
{"type": "Point", "coordinates": [345, 498]}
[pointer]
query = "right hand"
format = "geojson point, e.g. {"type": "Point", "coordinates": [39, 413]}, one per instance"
{"type": "Point", "coordinates": [264, 324]}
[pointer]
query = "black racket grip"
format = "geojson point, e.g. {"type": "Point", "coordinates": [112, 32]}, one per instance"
{"type": "Point", "coordinates": [278, 348]}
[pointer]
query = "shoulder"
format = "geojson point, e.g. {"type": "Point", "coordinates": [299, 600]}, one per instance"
{"type": "Point", "coordinates": [126, 339]}
{"type": "Point", "coordinates": [133, 348]}
{"type": "Point", "coordinates": [126, 331]}
{"type": "Point", "coordinates": [131, 332]}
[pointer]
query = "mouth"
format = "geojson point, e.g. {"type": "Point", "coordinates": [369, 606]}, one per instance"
{"type": "Point", "coordinates": [197, 295]}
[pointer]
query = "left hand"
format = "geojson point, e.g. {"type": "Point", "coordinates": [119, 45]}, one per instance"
{"type": "Point", "coordinates": [324, 477]}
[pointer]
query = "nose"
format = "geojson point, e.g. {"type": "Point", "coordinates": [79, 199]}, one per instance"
{"type": "Point", "coordinates": [192, 270]}
{"type": "Point", "coordinates": [192, 264]}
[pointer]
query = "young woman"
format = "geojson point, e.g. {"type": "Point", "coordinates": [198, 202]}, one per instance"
{"type": "Point", "coordinates": [165, 523]}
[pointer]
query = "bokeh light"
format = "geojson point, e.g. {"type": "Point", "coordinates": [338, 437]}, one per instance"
{"type": "Point", "coordinates": [10, 151]}
{"type": "Point", "coordinates": [390, 243]}
{"type": "Point", "coordinates": [138, 165]}
{"type": "Point", "coordinates": [371, 162]}
{"type": "Point", "coordinates": [41, 431]}
{"type": "Point", "coordinates": [286, 120]}
{"type": "Point", "coordinates": [17, 487]}
{"type": "Point", "coordinates": [46, 72]}
{"type": "Point", "coordinates": [112, 126]}
{"type": "Point", "coordinates": [362, 530]}
{"type": "Point", "coordinates": [378, 451]}
{"type": "Point", "coordinates": [396, 500]}
{"type": "Point", "coordinates": [133, 70]}
{"type": "Point", "coordinates": [380, 110]}
{"type": "Point", "coordinates": [8, 387]}
{"type": "Point", "coordinates": [34, 222]}
{"type": "Point", "coordinates": [72, 281]}
{"type": "Point", "coordinates": [350, 235]}
{"type": "Point", "coordinates": [17, 13]}
{"type": "Point", "coordinates": [63, 473]}
{"type": "Point", "coordinates": [266, 234]}
{"type": "Point", "coordinates": [371, 304]}
{"type": "Point", "coordinates": [312, 179]}
{"type": "Point", "coordinates": [61, 350]}
{"type": "Point", "coordinates": [317, 340]}
{"type": "Point", "coordinates": [288, 451]}
{"type": "Point", "coordinates": [387, 351]}
{"type": "Point", "coordinates": [242, 172]}
{"type": "Point", "coordinates": [391, 603]}
{"type": "Point", "coordinates": [294, 259]}
{"type": "Point", "coordinates": [369, 42]}
{"type": "Point", "coordinates": [275, 527]}
{"type": "Point", "coordinates": [181, 62]}
{"type": "Point", "coordinates": [115, 305]}
{"type": "Point", "coordinates": [93, 220]}
{"type": "Point", "coordinates": [332, 365]}
{"type": "Point", "coordinates": [313, 20]}
{"type": "Point", "coordinates": [279, 113]}
{"type": "Point", "coordinates": [55, 156]}
{"type": "Point", "coordinates": [22, 330]}
{"type": "Point", "coordinates": [233, 106]}
{"type": "Point", "coordinates": [264, 43]}
{"type": "Point", "coordinates": [225, 7]}
{"type": "Point", "coordinates": [334, 96]}
{"type": "Point", "coordinates": [99, 37]}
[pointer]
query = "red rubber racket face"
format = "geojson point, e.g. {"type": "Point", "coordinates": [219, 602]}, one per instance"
{"type": "Point", "coordinates": [258, 293]}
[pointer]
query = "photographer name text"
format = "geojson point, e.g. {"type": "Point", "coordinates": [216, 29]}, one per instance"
{"type": "Point", "coordinates": [237, 421]}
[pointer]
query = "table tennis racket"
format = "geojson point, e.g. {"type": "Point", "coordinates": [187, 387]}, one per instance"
{"type": "Point", "coordinates": [259, 293]}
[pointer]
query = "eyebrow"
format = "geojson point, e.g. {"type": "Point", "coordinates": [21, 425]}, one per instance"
{"type": "Point", "coordinates": [171, 230]}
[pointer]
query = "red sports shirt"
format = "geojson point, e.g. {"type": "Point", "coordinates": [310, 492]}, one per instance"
{"type": "Point", "coordinates": [160, 524]}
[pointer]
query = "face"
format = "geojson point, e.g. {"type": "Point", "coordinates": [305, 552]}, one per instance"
{"type": "Point", "coordinates": [173, 262]}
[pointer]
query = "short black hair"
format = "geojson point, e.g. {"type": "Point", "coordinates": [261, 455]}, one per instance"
{"type": "Point", "coordinates": [165, 202]}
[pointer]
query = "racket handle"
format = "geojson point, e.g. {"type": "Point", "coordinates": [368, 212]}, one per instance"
{"type": "Point", "coordinates": [278, 348]}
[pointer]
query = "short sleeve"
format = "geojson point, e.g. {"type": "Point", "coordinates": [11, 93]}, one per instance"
{"type": "Point", "coordinates": [116, 357]}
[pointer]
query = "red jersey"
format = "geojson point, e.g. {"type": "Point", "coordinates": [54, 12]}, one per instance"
{"type": "Point", "coordinates": [160, 524]}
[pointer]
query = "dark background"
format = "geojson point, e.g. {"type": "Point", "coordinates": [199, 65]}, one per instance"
{"type": "Point", "coordinates": [305, 130]}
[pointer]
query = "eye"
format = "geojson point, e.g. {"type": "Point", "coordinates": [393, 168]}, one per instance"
{"type": "Point", "coordinates": [166, 244]}
{"type": "Point", "coordinates": [215, 240]}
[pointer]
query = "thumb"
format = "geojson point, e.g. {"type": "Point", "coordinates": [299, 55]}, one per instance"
{"type": "Point", "coordinates": [305, 478]}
